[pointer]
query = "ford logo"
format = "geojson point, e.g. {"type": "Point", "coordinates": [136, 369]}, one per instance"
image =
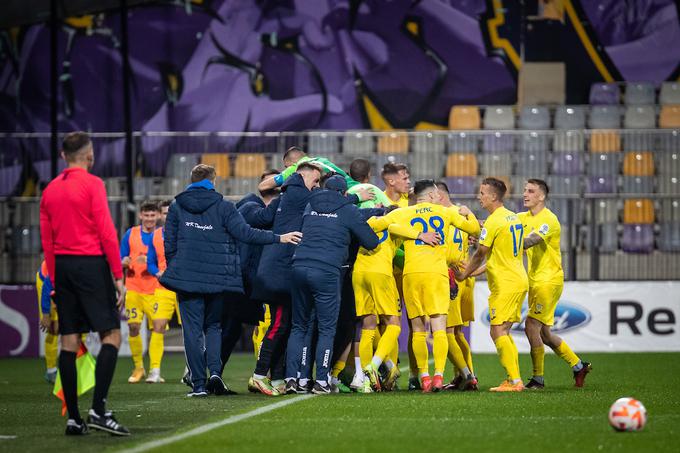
{"type": "Point", "coordinates": [568, 316]}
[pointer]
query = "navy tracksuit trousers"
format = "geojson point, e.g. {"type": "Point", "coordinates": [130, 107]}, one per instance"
{"type": "Point", "coordinates": [202, 332]}
{"type": "Point", "coordinates": [313, 289]}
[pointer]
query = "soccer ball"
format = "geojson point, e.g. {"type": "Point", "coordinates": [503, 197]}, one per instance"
{"type": "Point", "coordinates": [627, 414]}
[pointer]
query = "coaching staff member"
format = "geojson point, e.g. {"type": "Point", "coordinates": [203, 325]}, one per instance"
{"type": "Point", "coordinates": [201, 250]}
{"type": "Point", "coordinates": [81, 249]}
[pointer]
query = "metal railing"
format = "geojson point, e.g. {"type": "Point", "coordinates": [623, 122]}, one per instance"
{"type": "Point", "coordinates": [591, 173]}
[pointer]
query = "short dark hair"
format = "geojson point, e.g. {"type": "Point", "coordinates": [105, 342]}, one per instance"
{"type": "Point", "coordinates": [391, 168]}
{"type": "Point", "coordinates": [308, 166]}
{"type": "Point", "coordinates": [541, 184]}
{"type": "Point", "coordinates": [74, 142]}
{"type": "Point", "coordinates": [201, 172]}
{"type": "Point", "coordinates": [441, 185]}
{"type": "Point", "coordinates": [273, 191]}
{"type": "Point", "coordinates": [164, 203]}
{"type": "Point", "coordinates": [497, 185]}
{"type": "Point", "coordinates": [292, 150]}
{"type": "Point", "coordinates": [149, 205]}
{"type": "Point", "coordinates": [359, 169]}
{"type": "Point", "coordinates": [422, 185]}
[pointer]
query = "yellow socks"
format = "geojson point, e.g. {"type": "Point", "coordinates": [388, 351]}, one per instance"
{"type": "Point", "coordinates": [507, 352]}
{"type": "Point", "coordinates": [51, 350]}
{"type": "Point", "coordinates": [440, 348]}
{"type": "Point", "coordinates": [455, 353]}
{"type": "Point", "coordinates": [156, 346]}
{"type": "Point", "coordinates": [512, 340]}
{"type": "Point", "coordinates": [420, 352]}
{"type": "Point", "coordinates": [136, 351]}
{"type": "Point", "coordinates": [538, 360]}
{"type": "Point", "coordinates": [366, 346]}
{"type": "Point", "coordinates": [387, 343]}
{"type": "Point", "coordinates": [566, 354]}
{"type": "Point", "coordinates": [393, 355]}
{"type": "Point", "coordinates": [337, 368]}
{"type": "Point", "coordinates": [376, 337]}
{"type": "Point", "coordinates": [465, 350]}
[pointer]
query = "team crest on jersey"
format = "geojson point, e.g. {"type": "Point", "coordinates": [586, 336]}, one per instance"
{"type": "Point", "coordinates": [538, 309]}
{"type": "Point", "coordinates": [544, 229]}
{"type": "Point", "coordinates": [493, 313]}
{"type": "Point", "coordinates": [482, 234]}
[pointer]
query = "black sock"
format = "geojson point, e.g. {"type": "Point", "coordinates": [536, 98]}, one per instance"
{"type": "Point", "coordinates": [69, 383]}
{"type": "Point", "coordinates": [103, 374]}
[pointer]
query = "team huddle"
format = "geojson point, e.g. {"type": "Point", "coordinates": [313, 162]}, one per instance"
{"type": "Point", "coordinates": [329, 285]}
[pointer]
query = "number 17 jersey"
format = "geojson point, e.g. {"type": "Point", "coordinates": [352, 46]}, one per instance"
{"type": "Point", "coordinates": [503, 233]}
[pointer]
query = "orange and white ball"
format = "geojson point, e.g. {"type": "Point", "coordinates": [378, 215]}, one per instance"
{"type": "Point", "coordinates": [627, 414]}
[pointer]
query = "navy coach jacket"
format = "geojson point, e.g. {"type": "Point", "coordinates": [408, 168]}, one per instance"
{"type": "Point", "coordinates": [329, 223]}
{"type": "Point", "coordinates": [275, 274]}
{"type": "Point", "coordinates": [201, 231]}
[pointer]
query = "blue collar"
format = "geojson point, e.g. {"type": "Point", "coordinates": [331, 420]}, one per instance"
{"type": "Point", "coordinates": [204, 183]}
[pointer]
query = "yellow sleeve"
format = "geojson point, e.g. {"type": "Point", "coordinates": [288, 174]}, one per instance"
{"type": "Point", "coordinates": [470, 224]}
{"type": "Point", "coordinates": [403, 231]}
{"type": "Point", "coordinates": [489, 232]}
{"type": "Point", "coordinates": [548, 228]}
{"type": "Point", "coordinates": [378, 224]}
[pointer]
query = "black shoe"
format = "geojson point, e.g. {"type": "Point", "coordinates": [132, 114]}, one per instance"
{"type": "Point", "coordinates": [75, 429]}
{"type": "Point", "coordinates": [292, 387]}
{"type": "Point", "coordinates": [413, 383]}
{"type": "Point", "coordinates": [186, 379]}
{"type": "Point", "coordinates": [319, 389]}
{"type": "Point", "coordinates": [383, 372]}
{"type": "Point", "coordinates": [217, 386]}
{"type": "Point", "coordinates": [455, 383]}
{"type": "Point", "coordinates": [198, 392]}
{"type": "Point", "coordinates": [106, 422]}
{"type": "Point", "coordinates": [533, 384]}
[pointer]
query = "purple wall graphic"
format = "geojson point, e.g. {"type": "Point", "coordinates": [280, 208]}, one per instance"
{"type": "Point", "coordinates": [292, 65]}
{"type": "Point", "coordinates": [19, 331]}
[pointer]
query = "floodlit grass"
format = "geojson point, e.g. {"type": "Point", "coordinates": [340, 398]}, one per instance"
{"type": "Point", "coordinates": [560, 418]}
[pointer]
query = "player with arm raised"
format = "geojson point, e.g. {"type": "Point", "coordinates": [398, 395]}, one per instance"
{"type": "Point", "coordinates": [426, 281]}
{"type": "Point", "coordinates": [546, 281]}
{"type": "Point", "coordinates": [500, 242]}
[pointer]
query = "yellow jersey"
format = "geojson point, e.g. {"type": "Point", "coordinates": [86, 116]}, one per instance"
{"type": "Point", "coordinates": [545, 258]}
{"type": "Point", "coordinates": [402, 202]}
{"type": "Point", "coordinates": [378, 260]}
{"type": "Point", "coordinates": [503, 233]}
{"type": "Point", "coordinates": [425, 217]}
{"type": "Point", "coordinates": [456, 244]}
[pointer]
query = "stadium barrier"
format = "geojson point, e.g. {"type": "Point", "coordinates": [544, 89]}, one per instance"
{"type": "Point", "coordinates": [628, 180]}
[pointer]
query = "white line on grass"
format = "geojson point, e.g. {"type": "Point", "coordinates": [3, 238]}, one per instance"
{"type": "Point", "coordinates": [7, 437]}
{"type": "Point", "coordinates": [210, 426]}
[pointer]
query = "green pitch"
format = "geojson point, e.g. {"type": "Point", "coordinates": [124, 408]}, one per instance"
{"type": "Point", "coordinates": [560, 418]}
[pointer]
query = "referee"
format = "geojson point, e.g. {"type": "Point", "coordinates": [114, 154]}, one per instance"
{"type": "Point", "coordinates": [81, 249]}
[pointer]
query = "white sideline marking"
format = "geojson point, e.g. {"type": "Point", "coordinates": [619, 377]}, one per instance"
{"type": "Point", "coordinates": [210, 426]}
{"type": "Point", "coordinates": [7, 437]}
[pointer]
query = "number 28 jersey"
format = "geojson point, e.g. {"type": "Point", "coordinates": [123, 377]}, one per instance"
{"type": "Point", "coordinates": [426, 217]}
{"type": "Point", "coordinates": [503, 233]}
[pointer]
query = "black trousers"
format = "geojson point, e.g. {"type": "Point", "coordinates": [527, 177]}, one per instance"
{"type": "Point", "coordinates": [272, 357]}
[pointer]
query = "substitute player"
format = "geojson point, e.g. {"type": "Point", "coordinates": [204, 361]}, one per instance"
{"type": "Point", "coordinates": [49, 321]}
{"type": "Point", "coordinates": [459, 349]}
{"type": "Point", "coordinates": [165, 301]}
{"type": "Point", "coordinates": [500, 242]}
{"type": "Point", "coordinates": [141, 286]}
{"type": "Point", "coordinates": [546, 281]}
{"type": "Point", "coordinates": [426, 275]}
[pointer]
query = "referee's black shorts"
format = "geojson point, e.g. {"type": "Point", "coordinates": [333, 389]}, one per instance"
{"type": "Point", "coordinates": [84, 295]}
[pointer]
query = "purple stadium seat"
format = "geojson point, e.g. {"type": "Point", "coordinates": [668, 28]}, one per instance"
{"type": "Point", "coordinates": [9, 178]}
{"type": "Point", "coordinates": [601, 184]}
{"type": "Point", "coordinates": [461, 185]}
{"type": "Point", "coordinates": [604, 93]}
{"type": "Point", "coordinates": [566, 163]}
{"type": "Point", "coordinates": [638, 238]}
{"type": "Point", "coordinates": [498, 142]}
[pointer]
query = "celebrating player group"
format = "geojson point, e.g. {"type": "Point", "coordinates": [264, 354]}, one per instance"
{"type": "Point", "coordinates": [351, 258]}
